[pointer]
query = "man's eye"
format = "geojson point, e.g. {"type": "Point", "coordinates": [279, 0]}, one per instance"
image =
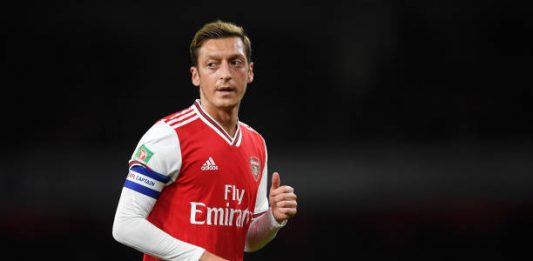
{"type": "Point", "coordinates": [236, 62]}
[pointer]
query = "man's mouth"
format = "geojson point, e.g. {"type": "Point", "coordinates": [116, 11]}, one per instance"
{"type": "Point", "coordinates": [225, 89]}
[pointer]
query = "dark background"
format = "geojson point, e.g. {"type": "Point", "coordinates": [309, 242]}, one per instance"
{"type": "Point", "coordinates": [405, 126]}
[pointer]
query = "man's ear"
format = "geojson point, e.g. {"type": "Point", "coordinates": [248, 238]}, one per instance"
{"type": "Point", "coordinates": [195, 76]}
{"type": "Point", "coordinates": [251, 73]}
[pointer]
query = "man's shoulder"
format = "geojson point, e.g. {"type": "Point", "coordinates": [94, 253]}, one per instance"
{"type": "Point", "coordinates": [250, 129]}
{"type": "Point", "coordinates": [176, 115]}
{"type": "Point", "coordinates": [180, 118]}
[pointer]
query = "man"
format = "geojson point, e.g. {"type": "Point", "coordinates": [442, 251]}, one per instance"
{"type": "Point", "coordinates": [197, 184]}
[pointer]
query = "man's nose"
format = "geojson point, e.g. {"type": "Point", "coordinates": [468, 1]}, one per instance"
{"type": "Point", "coordinates": [224, 72]}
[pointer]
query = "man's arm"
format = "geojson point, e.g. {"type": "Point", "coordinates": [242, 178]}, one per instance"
{"type": "Point", "coordinates": [283, 206]}
{"type": "Point", "coordinates": [131, 228]}
{"type": "Point", "coordinates": [262, 230]}
{"type": "Point", "coordinates": [156, 156]}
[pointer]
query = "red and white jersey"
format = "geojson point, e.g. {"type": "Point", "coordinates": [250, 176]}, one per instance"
{"type": "Point", "coordinates": [208, 185]}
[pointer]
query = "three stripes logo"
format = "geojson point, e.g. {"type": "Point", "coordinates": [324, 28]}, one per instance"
{"type": "Point", "coordinates": [209, 165]}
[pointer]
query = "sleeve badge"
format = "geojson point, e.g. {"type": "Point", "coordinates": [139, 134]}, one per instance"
{"type": "Point", "coordinates": [143, 154]}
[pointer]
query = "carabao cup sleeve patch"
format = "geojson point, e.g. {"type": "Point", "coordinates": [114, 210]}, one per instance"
{"type": "Point", "coordinates": [145, 181]}
{"type": "Point", "coordinates": [143, 154]}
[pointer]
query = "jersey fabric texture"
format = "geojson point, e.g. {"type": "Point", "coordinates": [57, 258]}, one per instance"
{"type": "Point", "coordinates": [208, 185]}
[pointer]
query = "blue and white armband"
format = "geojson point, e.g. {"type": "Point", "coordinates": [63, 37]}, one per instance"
{"type": "Point", "coordinates": [146, 181]}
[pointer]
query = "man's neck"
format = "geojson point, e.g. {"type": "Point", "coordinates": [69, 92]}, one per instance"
{"type": "Point", "coordinates": [226, 117]}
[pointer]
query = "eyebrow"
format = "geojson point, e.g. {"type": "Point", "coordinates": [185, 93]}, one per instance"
{"type": "Point", "coordinates": [231, 57]}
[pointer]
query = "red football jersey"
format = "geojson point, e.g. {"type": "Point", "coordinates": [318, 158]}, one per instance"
{"type": "Point", "coordinates": [211, 184]}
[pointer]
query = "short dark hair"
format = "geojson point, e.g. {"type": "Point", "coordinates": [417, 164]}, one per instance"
{"type": "Point", "coordinates": [216, 30]}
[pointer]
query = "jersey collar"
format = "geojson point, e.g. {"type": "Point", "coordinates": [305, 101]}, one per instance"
{"type": "Point", "coordinates": [207, 119]}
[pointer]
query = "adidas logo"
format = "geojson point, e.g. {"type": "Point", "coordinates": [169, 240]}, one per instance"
{"type": "Point", "coordinates": [209, 165]}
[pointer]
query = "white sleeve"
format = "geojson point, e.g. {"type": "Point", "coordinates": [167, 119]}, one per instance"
{"type": "Point", "coordinates": [261, 231]}
{"type": "Point", "coordinates": [132, 229]}
{"type": "Point", "coordinates": [154, 165]}
{"type": "Point", "coordinates": [159, 150]}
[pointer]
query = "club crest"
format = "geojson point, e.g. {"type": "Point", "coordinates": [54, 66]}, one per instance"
{"type": "Point", "coordinates": [255, 167]}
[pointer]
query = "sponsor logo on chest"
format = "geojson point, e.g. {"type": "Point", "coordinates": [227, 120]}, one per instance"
{"type": "Point", "coordinates": [236, 214]}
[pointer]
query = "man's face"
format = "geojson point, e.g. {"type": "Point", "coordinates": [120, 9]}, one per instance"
{"type": "Point", "coordinates": [223, 72]}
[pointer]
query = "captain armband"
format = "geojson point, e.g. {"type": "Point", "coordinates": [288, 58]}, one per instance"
{"type": "Point", "coordinates": [145, 181]}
